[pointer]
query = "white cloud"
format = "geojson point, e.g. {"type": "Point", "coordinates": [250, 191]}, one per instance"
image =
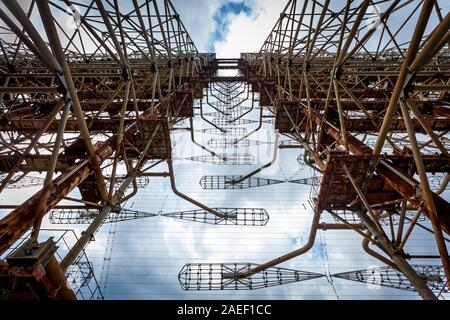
{"type": "Point", "coordinates": [197, 17]}
{"type": "Point", "coordinates": [247, 34]}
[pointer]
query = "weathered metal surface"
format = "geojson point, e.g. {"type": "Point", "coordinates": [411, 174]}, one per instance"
{"type": "Point", "coordinates": [16, 223]}
{"type": "Point", "coordinates": [34, 276]}
{"type": "Point", "coordinates": [336, 191]}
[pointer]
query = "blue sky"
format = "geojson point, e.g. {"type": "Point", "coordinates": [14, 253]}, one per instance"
{"type": "Point", "coordinates": [223, 17]}
{"type": "Point", "coordinates": [229, 27]}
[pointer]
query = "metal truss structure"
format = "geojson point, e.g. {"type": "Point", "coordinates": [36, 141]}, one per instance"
{"type": "Point", "coordinates": [92, 105]}
{"type": "Point", "coordinates": [229, 143]}
{"type": "Point", "coordinates": [231, 132]}
{"type": "Point", "coordinates": [335, 75]}
{"type": "Point", "coordinates": [80, 278]}
{"type": "Point", "coordinates": [392, 278]}
{"type": "Point", "coordinates": [244, 159]}
{"type": "Point", "coordinates": [229, 216]}
{"type": "Point", "coordinates": [196, 277]}
{"type": "Point", "coordinates": [235, 216]}
{"type": "Point", "coordinates": [89, 99]}
{"type": "Point", "coordinates": [87, 216]}
{"type": "Point", "coordinates": [230, 182]}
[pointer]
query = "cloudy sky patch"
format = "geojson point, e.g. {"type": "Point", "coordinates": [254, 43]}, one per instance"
{"type": "Point", "coordinates": [229, 27]}
{"type": "Point", "coordinates": [223, 18]}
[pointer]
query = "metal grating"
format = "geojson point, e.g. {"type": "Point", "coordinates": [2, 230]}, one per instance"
{"type": "Point", "coordinates": [231, 160]}
{"type": "Point", "coordinates": [433, 276]}
{"type": "Point", "coordinates": [227, 182]}
{"type": "Point", "coordinates": [198, 277]}
{"type": "Point", "coordinates": [86, 216]}
{"type": "Point", "coordinates": [232, 216]}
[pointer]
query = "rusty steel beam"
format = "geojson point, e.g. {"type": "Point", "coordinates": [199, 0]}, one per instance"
{"type": "Point", "coordinates": [96, 126]}
{"type": "Point", "coordinates": [16, 122]}
{"type": "Point", "coordinates": [42, 75]}
{"type": "Point", "coordinates": [20, 220]}
{"type": "Point", "coordinates": [396, 179]}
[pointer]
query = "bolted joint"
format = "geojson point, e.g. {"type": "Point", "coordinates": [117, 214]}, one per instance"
{"type": "Point", "coordinates": [62, 86]}
{"type": "Point", "coordinates": [338, 73]}
{"type": "Point", "coordinates": [12, 68]}
{"type": "Point", "coordinates": [92, 237]}
{"type": "Point", "coordinates": [401, 253]}
{"type": "Point", "coordinates": [307, 66]}
{"type": "Point", "coordinates": [153, 68]}
{"type": "Point", "coordinates": [418, 194]}
{"type": "Point", "coordinates": [409, 89]}
{"type": "Point", "coordinates": [30, 77]}
{"type": "Point", "coordinates": [126, 74]}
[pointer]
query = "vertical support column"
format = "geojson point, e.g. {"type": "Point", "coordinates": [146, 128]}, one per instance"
{"type": "Point", "coordinates": [47, 20]}
{"type": "Point", "coordinates": [405, 75]}
{"type": "Point", "coordinates": [427, 194]}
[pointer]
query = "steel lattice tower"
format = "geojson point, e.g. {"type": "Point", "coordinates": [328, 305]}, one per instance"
{"type": "Point", "coordinates": [369, 107]}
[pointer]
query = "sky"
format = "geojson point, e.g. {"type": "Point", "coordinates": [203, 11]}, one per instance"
{"type": "Point", "coordinates": [221, 26]}
{"type": "Point", "coordinates": [229, 27]}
